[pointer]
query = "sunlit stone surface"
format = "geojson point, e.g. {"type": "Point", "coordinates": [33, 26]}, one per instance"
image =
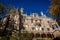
{"type": "Point", "coordinates": [33, 23]}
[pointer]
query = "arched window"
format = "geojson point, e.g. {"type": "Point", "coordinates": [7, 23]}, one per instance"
{"type": "Point", "coordinates": [52, 35]}
{"type": "Point", "coordinates": [35, 20]}
{"type": "Point", "coordinates": [48, 29]}
{"type": "Point", "coordinates": [33, 28]}
{"type": "Point", "coordinates": [56, 26]}
{"type": "Point", "coordinates": [42, 29]}
{"type": "Point", "coordinates": [49, 35]}
{"type": "Point", "coordinates": [43, 35]}
{"type": "Point", "coordinates": [40, 20]}
{"type": "Point", "coordinates": [31, 20]}
{"type": "Point", "coordinates": [37, 35]}
{"type": "Point", "coordinates": [53, 27]}
{"type": "Point", "coordinates": [39, 24]}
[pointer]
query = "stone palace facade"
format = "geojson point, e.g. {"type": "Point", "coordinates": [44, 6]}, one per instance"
{"type": "Point", "coordinates": [31, 23]}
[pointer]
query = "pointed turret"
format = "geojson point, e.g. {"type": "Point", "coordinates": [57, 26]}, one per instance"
{"type": "Point", "coordinates": [42, 14]}
{"type": "Point", "coordinates": [21, 10]}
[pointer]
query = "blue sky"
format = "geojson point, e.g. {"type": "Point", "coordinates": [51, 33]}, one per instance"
{"type": "Point", "coordinates": [29, 6]}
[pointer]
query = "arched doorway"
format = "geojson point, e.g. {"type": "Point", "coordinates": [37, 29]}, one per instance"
{"type": "Point", "coordinates": [49, 35]}
{"type": "Point", "coordinates": [37, 35]}
{"type": "Point", "coordinates": [43, 35]}
{"type": "Point", "coordinates": [52, 35]}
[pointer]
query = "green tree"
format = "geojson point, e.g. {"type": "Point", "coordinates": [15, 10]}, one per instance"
{"type": "Point", "coordinates": [55, 9]}
{"type": "Point", "coordinates": [5, 9]}
{"type": "Point", "coordinates": [2, 10]}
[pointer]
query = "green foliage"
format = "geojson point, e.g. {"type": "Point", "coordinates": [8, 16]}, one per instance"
{"type": "Point", "coordinates": [8, 38]}
{"type": "Point", "coordinates": [2, 10]}
{"type": "Point", "coordinates": [26, 36]}
{"type": "Point", "coordinates": [2, 6]}
{"type": "Point", "coordinates": [55, 8]}
{"type": "Point", "coordinates": [3, 38]}
{"type": "Point", "coordinates": [43, 39]}
{"type": "Point", "coordinates": [13, 38]}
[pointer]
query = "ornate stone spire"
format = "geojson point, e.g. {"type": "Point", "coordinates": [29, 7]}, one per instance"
{"type": "Point", "coordinates": [42, 13]}
{"type": "Point", "coordinates": [21, 10]}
